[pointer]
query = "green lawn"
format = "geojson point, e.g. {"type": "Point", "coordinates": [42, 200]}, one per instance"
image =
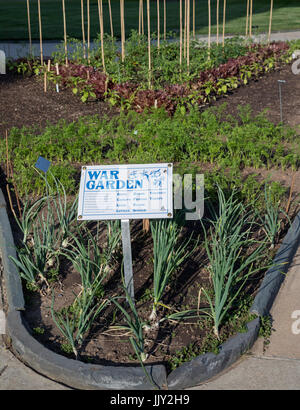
{"type": "Point", "coordinates": [13, 17]}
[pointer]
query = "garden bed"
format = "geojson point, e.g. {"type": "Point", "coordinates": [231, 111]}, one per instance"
{"type": "Point", "coordinates": [250, 163]}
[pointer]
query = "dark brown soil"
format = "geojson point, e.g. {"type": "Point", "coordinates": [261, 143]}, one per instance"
{"type": "Point", "coordinates": [264, 94]}
{"type": "Point", "coordinates": [25, 103]}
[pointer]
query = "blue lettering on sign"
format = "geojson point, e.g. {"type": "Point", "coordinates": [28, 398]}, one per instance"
{"type": "Point", "coordinates": [99, 183]}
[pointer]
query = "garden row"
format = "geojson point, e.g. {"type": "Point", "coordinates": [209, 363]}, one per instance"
{"type": "Point", "coordinates": [212, 72]}
{"type": "Point", "coordinates": [211, 141]}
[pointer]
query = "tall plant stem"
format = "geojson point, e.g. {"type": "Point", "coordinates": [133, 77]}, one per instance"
{"type": "Point", "coordinates": [149, 43]}
{"type": "Point", "coordinates": [270, 21]}
{"type": "Point", "coordinates": [110, 19]}
{"type": "Point", "coordinates": [40, 30]}
{"type": "Point", "coordinates": [250, 23]}
{"type": "Point", "coordinates": [194, 20]}
{"type": "Point", "coordinates": [158, 25]}
{"type": "Point", "coordinates": [100, 11]}
{"type": "Point", "coordinates": [247, 19]}
{"type": "Point", "coordinates": [184, 34]}
{"type": "Point", "coordinates": [122, 29]}
{"type": "Point", "coordinates": [88, 29]}
{"type": "Point", "coordinates": [180, 33]}
{"type": "Point", "coordinates": [83, 29]}
{"type": "Point", "coordinates": [217, 18]}
{"type": "Point", "coordinates": [29, 28]}
{"type": "Point", "coordinates": [65, 31]}
{"type": "Point", "coordinates": [165, 20]}
{"type": "Point", "coordinates": [188, 36]}
{"type": "Point", "coordinates": [224, 22]}
{"type": "Point", "coordinates": [209, 28]}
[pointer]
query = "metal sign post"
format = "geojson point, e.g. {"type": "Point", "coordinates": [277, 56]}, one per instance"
{"type": "Point", "coordinates": [280, 82]}
{"type": "Point", "coordinates": [128, 272]}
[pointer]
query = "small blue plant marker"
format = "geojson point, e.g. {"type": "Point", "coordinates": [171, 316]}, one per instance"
{"type": "Point", "coordinates": [42, 164]}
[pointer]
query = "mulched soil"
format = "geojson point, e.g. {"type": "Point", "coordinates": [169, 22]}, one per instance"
{"type": "Point", "coordinates": [24, 103]}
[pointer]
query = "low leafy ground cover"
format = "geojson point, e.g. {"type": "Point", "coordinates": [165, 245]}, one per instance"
{"type": "Point", "coordinates": [187, 302]}
{"type": "Point", "coordinates": [210, 139]}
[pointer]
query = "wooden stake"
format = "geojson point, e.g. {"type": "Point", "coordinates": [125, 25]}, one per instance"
{"type": "Point", "coordinates": [110, 19]}
{"type": "Point", "coordinates": [158, 25]}
{"type": "Point", "coordinates": [290, 194]}
{"type": "Point", "coordinates": [224, 20]}
{"type": "Point", "coordinates": [180, 32]}
{"type": "Point", "coordinates": [184, 33]}
{"type": "Point", "coordinates": [149, 43]}
{"type": "Point", "coordinates": [146, 225]}
{"type": "Point", "coordinates": [217, 17]}
{"type": "Point", "coordinates": [65, 31]}
{"type": "Point", "coordinates": [29, 28]}
{"type": "Point", "coordinates": [100, 11]}
{"type": "Point", "coordinates": [194, 20]}
{"type": "Point", "coordinates": [140, 18]}
{"type": "Point", "coordinates": [122, 29]}
{"type": "Point", "coordinates": [165, 20]}
{"type": "Point", "coordinates": [88, 29]}
{"type": "Point", "coordinates": [250, 24]}
{"type": "Point", "coordinates": [188, 35]}
{"type": "Point", "coordinates": [49, 65]}
{"type": "Point", "coordinates": [247, 19]}
{"type": "Point", "coordinates": [270, 22]}
{"type": "Point", "coordinates": [45, 80]}
{"type": "Point", "coordinates": [40, 29]}
{"type": "Point", "coordinates": [209, 28]}
{"type": "Point", "coordinates": [83, 29]}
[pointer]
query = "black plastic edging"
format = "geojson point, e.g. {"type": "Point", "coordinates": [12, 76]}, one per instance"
{"type": "Point", "coordinates": [101, 377]}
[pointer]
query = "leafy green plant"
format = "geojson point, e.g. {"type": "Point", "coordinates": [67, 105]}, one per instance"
{"type": "Point", "coordinates": [229, 236]}
{"type": "Point", "coordinates": [75, 321]}
{"type": "Point", "coordinates": [167, 257]}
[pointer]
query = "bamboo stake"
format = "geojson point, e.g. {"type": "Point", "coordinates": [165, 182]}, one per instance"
{"type": "Point", "coordinates": [290, 194]}
{"type": "Point", "coordinates": [180, 33]}
{"type": "Point", "coordinates": [224, 20]}
{"type": "Point", "coordinates": [110, 19]}
{"type": "Point", "coordinates": [88, 29]}
{"type": "Point", "coordinates": [165, 20]}
{"type": "Point", "coordinates": [217, 17]}
{"type": "Point", "coordinates": [188, 36]}
{"type": "Point", "coordinates": [194, 19]}
{"type": "Point", "coordinates": [158, 25]}
{"type": "Point", "coordinates": [65, 31]}
{"type": "Point", "coordinates": [100, 11]}
{"type": "Point", "coordinates": [247, 19]}
{"type": "Point", "coordinates": [270, 22]}
{"type": "Point", "coordinates": [146, 225]}
{"type": "Point", "coordinates": [209, 28]}
{"type": "Point", "coordinates": [29, 28]}
{"type": "Point", "coordinates": [122, 29]}
{"type": "Point", "coordinates": [49, 65]}
{"type": "Point", "coordinates": [83, 30]}
{"type": "Point", "coordinates": [149, 43]}
{"type": "Point", "coordinates": [45, 79]}
{"type": "Point", "coordinates": [142, 16]}
{"type": "Point", "coordinates": [250, 24]}
{"type": "Point", "coordinates": [40, 29]}
{"type": "Point", "coordinates": [184, 33]}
